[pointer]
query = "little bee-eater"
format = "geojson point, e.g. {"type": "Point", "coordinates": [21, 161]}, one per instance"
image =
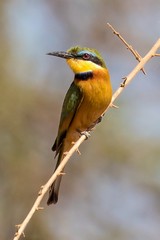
{"type": "Point", "coordinates": [87, 98]}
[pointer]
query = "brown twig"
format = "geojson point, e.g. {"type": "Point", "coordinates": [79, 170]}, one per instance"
{"type": "Point", "coordinates": [135, 53]}
{"type": "Point", "coordinates": [157, 55]}
{"type": "Point", "coordinates": [140, 65]}
{"type": "Point", "coordinates": [44, 189]}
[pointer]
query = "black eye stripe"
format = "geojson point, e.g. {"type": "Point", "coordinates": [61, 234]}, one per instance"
{"type": "Point", "coordinates": [89, 57]}
{"type": "Point", "coordinates": [96, 60]}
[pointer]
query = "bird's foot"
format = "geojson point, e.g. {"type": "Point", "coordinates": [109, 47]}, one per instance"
{"type": "Point", "coordinates": [86, 134]}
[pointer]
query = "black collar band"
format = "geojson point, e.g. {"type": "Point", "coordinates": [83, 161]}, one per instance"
{"type": "Point", "coordinates": [84, 75]}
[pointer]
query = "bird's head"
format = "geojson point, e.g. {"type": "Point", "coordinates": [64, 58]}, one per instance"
{"type": "Point", "coordinates": [81, 59]}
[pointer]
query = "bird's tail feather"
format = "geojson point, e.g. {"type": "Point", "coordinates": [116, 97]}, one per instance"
{"type": "Point", "coordinates": [54, 189]}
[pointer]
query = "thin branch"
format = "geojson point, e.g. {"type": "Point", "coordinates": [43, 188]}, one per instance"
{"type": "Point", "coordinates": [157, 55]}
{"type": "Point", "coordinates": [134, 72]}
{"type": "Point", "coordinates": [44, 189]}
{"type": "Point", "coordinates": [135, 53]}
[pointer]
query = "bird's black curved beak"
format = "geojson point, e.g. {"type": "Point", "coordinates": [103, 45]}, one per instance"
{"type": "Point", "coordinates": [61, 54]}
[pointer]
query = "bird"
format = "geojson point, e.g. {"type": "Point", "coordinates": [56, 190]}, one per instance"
{"type": "Point", "coordinates": [86, 100]}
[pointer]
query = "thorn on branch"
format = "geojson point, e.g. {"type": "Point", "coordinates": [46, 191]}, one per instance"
{"type": "Point", "coordinates": [39, 208]}
{"type": "Point", "coordinates": [124, 82]}
{"type": "Point", "coordinates": [77, 150]}
{"type": "Point", "coordinates": [18, 227]}
{"type": "Point", "coordinates": [138, 58]}
{"type": "Point", "coordinates": [62, 173]}
{"type": "Point", "coordinates": [114, 106]}
{"type": "Point", "coordinates": [40, 191]}
{"type": "Point", "coordinates": [129, 47]}
{"type": "Point", "coordinates": [156, 55]}
{"type": "Point", "coordinates": [122, 85]}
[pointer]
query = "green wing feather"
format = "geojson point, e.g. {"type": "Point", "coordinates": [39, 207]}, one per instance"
{"type": "Point", "coordinates": [71, 102]}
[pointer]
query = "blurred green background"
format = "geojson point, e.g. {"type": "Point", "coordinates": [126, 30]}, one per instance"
{"type": "Point", "coordinates": [111, 191]}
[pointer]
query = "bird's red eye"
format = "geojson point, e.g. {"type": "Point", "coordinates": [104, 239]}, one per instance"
{"type": "Point", "coordinates": [86, 56]}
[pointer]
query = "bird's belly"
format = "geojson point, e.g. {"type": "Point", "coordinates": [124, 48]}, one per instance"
{"type": "Point", "coordinates": [88, 113]}
{"type": "Point", "coordinates": [96, 99]}
{"type": "Point", "coordinates": [90, 110]}
{"type": "Point", "coordinates": [84, 119]}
